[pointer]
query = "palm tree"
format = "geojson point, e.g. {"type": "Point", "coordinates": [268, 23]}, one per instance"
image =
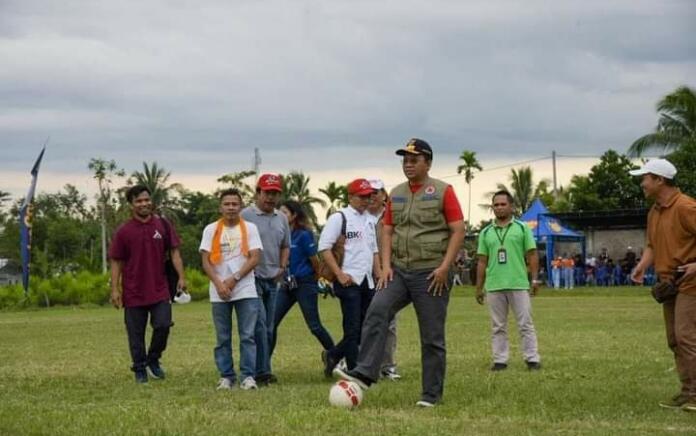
{"type": "Point", "coordinates": [155, 178]}
{"type": "Point", "coordinates": [676, 127]}
{"type": "Point", "coordinates": [337, 195]}
{"type": "Point", "coordinates": [522, 188]}
{"type": "Point", "coordinates": [104, 172]}
{"type": "Point", "coordinates": [236, 181]}
{"type": "Point", "coordinates": [297, 188]}
{"type": "Point", "coordinates": [4, 196]}
{"type": "Point", "coordinates": [470, 164]}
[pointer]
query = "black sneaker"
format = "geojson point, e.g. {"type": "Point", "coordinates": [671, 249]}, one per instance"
{"type": "Point", "coordinates": [330, 363]}
{"type": "Point", "coordinates": [141, 376]}
{"type": "Point", "coordinates": [266, 379]}
{"type": "Point", "coordinates": [499, 366]}
{"type": "Point", "coordinates": [155, 371]}
{"type": "Point", "coordinates": [352, 375]}
{"type": "Point", "coordinates": [533, 366]}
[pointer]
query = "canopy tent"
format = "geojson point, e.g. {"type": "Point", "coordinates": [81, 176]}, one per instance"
{"type": "Point", "coordinates": [548, 230]}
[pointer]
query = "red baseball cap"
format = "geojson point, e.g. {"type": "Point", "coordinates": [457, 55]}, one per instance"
{"type": "Point", "coordinates": [360, 187]}
{"type": "Point", "coordinates": [270, 182]}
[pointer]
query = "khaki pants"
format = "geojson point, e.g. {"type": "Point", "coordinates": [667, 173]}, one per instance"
{"type": "Point", "coordinates": [680, 321]}
{"type": "Point", "coordinates": [519, 301]}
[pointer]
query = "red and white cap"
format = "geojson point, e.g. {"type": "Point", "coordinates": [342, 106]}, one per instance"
{"type": "Point", "coordinates": [360, 187]}
{"type": "Point", "coordinates": [270, 182]}
{"type": "Point", "coordinates": [658, 167]}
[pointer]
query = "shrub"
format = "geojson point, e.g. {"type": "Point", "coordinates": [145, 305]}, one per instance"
{"type": "Point", "coordinates": [83, 287]}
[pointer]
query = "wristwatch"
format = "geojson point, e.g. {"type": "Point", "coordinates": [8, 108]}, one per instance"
{"type": "Point", "coordinates": [236, 277]}
{"type": "Point", "coordinates": [536, 282]}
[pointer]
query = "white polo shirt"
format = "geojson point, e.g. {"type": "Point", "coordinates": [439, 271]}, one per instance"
{"type": "Point", "coordinates": [361, 243]}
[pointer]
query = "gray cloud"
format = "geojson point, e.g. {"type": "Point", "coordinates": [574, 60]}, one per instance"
{"type": "Point", "coordinates": [198, 85]}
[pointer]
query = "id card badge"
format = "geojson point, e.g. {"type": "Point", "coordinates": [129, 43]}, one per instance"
{"type": "Point", "coordinates": [502, 256]}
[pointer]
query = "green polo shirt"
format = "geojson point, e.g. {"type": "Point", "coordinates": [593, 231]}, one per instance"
{"type": "Point", "coordinates": [517, 241]}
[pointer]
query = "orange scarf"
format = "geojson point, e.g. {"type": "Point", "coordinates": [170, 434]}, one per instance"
{"type": "Point", "coordinates": [216, 251]}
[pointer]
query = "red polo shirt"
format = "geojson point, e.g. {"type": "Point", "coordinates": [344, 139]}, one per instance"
{"type": "Point", "coordinates": [140, 246]}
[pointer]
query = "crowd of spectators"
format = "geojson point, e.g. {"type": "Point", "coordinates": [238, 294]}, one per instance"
{"type": "Point", "coordinates": [570, 270]}
{"type": "Point", "coordinates": [567, 271]}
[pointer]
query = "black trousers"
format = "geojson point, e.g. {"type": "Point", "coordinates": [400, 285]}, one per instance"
{"type": "Point", "coordinates": [136, 321]}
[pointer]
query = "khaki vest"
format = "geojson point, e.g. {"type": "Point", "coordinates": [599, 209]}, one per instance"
{"type": "Point", "coordinates": [421, 233]}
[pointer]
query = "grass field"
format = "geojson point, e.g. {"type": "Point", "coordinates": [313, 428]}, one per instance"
{"type": "Point", "coordinates": [64, 371]}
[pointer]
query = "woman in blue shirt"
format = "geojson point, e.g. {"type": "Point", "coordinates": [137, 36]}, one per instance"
{"type": "Point", "coordinates": [301, 282]}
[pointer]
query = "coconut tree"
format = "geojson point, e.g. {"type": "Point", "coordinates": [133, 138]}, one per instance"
{"type": "Point", "coordinates": [468, 166]}
{"type": "Point", "coordinates": [156, 179]}
{"type": "Point", "coordinates": [296, 187]}
{"type": "Point", "coordinates": [104, 172]}
{"type": "Point", "coordinates": [238, 181]}
{"type": "Point", "coordinates": [522, 188]}
{"type": "Point", "coordinates": [337, 196]}
{"type": "Point", "coordinates": [676, 126]}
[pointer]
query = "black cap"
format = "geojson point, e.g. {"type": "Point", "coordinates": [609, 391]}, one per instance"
{"type": "Point", "coordinates": [416, 146]}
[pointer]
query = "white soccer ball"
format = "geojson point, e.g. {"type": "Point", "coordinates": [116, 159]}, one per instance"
{"type": "Point", "coordinates": [345, 394]}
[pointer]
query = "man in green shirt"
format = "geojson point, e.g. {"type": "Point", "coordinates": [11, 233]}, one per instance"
{"type": "Point", "coordinates": [505, 248]}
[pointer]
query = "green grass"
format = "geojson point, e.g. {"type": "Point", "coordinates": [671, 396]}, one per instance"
{"type": "Point", "coordinates": [64, 371]}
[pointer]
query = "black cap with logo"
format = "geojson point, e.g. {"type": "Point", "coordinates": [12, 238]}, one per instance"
{"type": "Point", "coordinates": [416, 146]}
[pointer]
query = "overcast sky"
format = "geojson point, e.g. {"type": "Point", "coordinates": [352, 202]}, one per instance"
{"type": "Point", "coordinates": [329, 87]}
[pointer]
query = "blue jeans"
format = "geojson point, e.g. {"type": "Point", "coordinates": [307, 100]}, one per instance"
{"type": "Point", "coordinates": [556, 275]}
{"type": "Point", "coordinates": [569, 278]}
{"type": "Point", "coordinates": [267, 290]}
{"type": "Point", "coordinates": [306, 296]}
{"type": "Point", "coordinates": [354, 303]}
{"type": "Point", "coordinates": [247, 312]}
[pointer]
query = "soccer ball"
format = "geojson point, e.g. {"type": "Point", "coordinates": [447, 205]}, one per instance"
{"type": "Point", "coordinates": [345, 394]}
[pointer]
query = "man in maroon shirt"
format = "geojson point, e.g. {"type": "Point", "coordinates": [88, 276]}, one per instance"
{"type": "Point", "coordinates": [139, 284]}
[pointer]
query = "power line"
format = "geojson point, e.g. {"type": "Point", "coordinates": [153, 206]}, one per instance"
{"type": "Point", "coordinates": [502, 166]}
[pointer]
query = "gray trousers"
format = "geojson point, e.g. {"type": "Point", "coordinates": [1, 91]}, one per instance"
{"type": "Point", "coordinates": [389, 359]}
{"type": "Point", "coordinates": [407, 287]}
{"type": "Point", "coordinates": [520, 302]}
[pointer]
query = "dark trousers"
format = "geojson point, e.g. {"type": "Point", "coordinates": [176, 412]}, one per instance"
{"type": "Point", "coordinates": [355, 300]}
{"type": "Point", "coordinates": [136, 321]}
{"type": "Point", "coordinates": [306, 296]}
{"type": "Point", "coordinates": [431, 312]}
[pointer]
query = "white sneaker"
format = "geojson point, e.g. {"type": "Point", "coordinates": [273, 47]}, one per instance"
{"type": "Point", "coordinates": [248, 384]}
{"type": "Point", "coordinates": [342, 365]}
{"type": "Point", "coordinates": [225, 384]}
{"type": "Point", "coordinates": [391, 374]}
{"type": "Point", "coordinates": [423, 403]}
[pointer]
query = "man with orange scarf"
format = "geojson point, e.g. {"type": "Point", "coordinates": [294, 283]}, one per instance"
{"type": "Point", "coordinates": [230, 249]}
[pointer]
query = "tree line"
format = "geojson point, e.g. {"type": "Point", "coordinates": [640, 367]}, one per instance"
{"type": "Point", "coordinates": [71, 234]}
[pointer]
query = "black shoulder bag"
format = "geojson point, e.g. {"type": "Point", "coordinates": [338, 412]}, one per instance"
{"type": "Point", "coordinates": [169, 270]}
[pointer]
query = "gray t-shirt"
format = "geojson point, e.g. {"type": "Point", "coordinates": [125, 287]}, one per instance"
{"type": "Point", "coordinates": [275, 234]}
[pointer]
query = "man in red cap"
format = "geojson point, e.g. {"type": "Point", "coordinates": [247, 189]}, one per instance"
{"type": "Point", "coordinates": [354, 277]}
{"type": "Point", "coordinates": [275, 237]}
{"type": "Point", "coordinates": [423, 231]}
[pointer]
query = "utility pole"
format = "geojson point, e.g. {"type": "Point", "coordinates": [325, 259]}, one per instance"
{"type": "Point", "coordinates": [257, 163]}
{"type": "Point", "coordinates": [555, 182]}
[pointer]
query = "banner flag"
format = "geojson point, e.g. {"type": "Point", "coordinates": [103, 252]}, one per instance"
{"type": "Point", "coordinates": [26, 213]}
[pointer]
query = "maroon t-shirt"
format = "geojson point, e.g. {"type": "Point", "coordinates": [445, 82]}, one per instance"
{"type": "Point", "coordinates": [140, 246]}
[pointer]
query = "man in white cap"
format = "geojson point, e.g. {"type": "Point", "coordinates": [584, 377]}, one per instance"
{"type": "Point", "coordinates": [671, 247]}
{"type": "Point", "coordinates": [376, 212]}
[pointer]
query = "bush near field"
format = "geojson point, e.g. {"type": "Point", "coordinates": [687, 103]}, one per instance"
{"type": "Point", "coordinates": [82, 288]}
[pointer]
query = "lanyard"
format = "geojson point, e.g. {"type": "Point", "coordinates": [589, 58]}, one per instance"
{"type": "Point", "coordinates": [502, 239]}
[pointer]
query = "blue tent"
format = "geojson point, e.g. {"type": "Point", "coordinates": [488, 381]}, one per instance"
{"type": "Point", "coordinates": [548, 230]}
